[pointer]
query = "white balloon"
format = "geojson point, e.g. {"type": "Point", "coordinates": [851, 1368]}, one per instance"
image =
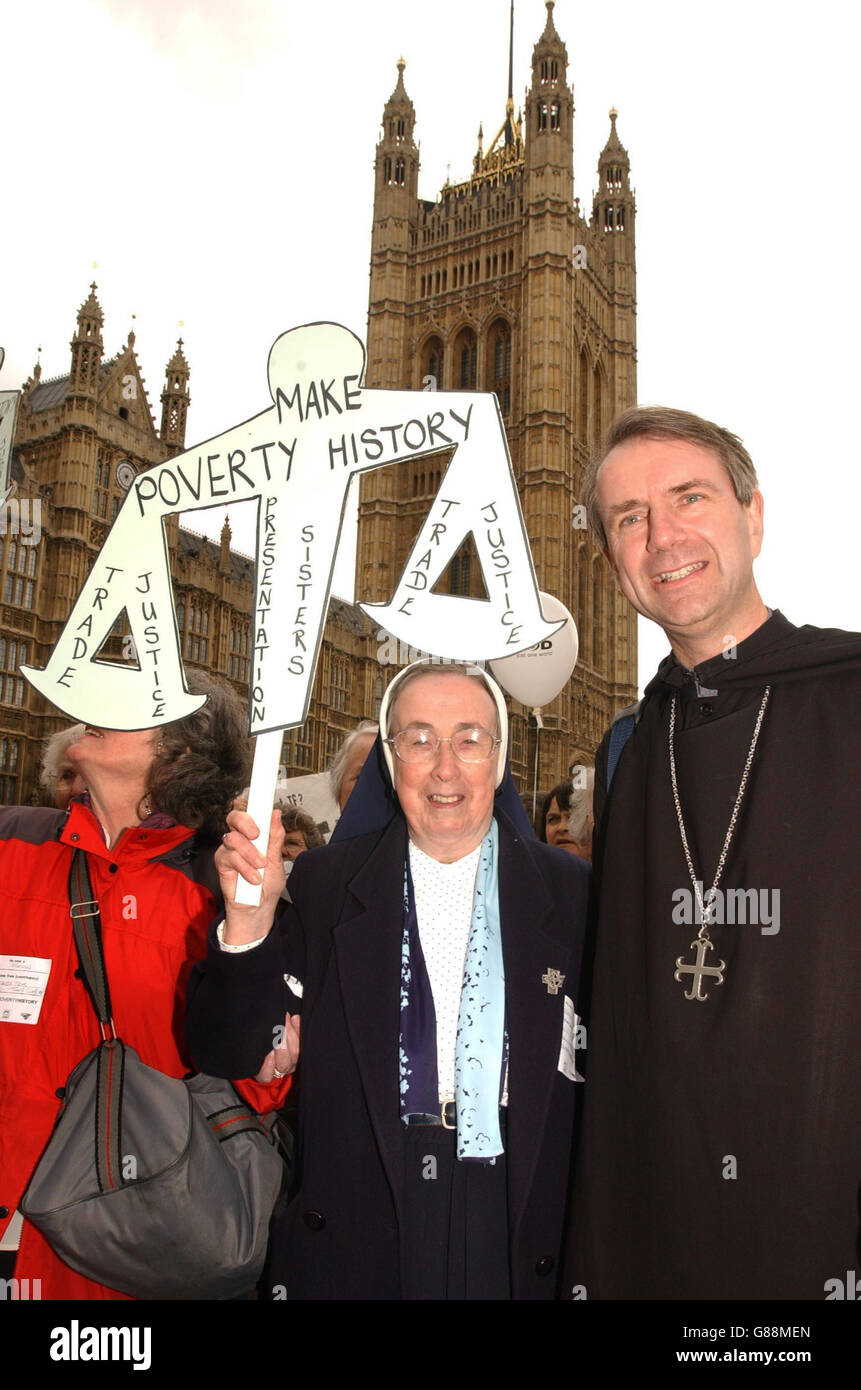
{"type": "Point", "coordinates": [536, 676]}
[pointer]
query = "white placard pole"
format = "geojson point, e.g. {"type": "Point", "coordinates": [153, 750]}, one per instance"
{"type": "Point", "coordinates": [264, 776]}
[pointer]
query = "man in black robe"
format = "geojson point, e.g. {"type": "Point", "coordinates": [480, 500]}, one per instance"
{"type": "Point", "coordinates": [720, 1155]}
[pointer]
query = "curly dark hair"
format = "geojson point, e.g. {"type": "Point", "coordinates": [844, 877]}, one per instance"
{"type": "Point", "coordinates": [202, 761]}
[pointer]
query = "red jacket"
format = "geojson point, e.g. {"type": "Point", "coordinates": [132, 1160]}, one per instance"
{"type": "Point", "coordinates": [155, 908]}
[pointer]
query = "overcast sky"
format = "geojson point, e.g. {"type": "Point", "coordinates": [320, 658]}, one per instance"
{"type": "Point", "coordinates": [210, 165]}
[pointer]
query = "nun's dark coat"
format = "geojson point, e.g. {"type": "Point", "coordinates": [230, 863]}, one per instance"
{"type": "Point", "coordinates": [340, 1234]}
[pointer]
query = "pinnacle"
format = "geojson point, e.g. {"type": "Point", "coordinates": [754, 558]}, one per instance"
{"type": "Point", "coordinates": [614, 144]}
{"type": "Point", "coordinates": [399, 95]}
{"type": "Point", "coordinates": [550, 27]}
{"type": "Point", "coordinates": [91, 307]}
{"type": "Point", "coordinates": [178, 362]}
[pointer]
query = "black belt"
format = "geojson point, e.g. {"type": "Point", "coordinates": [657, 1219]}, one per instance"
{"type": "Point", "coordinates": [447, 1117]}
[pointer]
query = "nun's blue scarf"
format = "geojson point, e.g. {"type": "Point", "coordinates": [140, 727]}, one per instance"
{"type": "Point", "coordinates": [481, 1045]}
{"type": "Point", "coordinates": [371, 807]}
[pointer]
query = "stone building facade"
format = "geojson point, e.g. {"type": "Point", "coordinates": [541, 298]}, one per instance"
{"type": "Point", "coordinates": [80, 439]}
{"type": "Point", "coordinates": [502, 283]}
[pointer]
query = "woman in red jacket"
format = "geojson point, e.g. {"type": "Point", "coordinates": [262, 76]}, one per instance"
{"type": "Point", "coordinates": [149, 822]}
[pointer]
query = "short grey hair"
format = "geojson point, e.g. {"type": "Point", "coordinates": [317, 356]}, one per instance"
{"type": "Point", "coordinates": [342, 757]}
{"type": "Point", "coordinates": [663, 422]}
{"type": "Point", "coordinates": [54, 756]}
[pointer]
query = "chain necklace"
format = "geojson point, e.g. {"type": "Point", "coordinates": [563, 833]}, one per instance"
{"type": "Point", "coordinates": [705, 906]}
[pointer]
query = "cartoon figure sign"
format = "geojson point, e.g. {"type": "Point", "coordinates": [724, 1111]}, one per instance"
{"type": "Point", "coordinates": [296, 459]}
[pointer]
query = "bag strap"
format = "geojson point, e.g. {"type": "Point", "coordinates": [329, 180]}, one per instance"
{"type": "Point", "coordinates": [87, 927]}
{"type": "Point", "coordinates": [110, 1070]}
{"type": "Point", "coordinates": [110, 1055]}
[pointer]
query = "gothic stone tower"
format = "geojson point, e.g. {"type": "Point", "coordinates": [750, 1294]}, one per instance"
{"type": "Point", "coordinates": [501, 284]}
{"type": "Point", "coordinates": [80, 439]}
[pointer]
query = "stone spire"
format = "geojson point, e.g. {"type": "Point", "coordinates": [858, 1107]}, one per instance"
{"type": "Point", "coordinates": [613, 207]}
{"type": "Point", "coordinates": [550, 105]}
{"type": "Point", "coordinates": [397, 161]}
{"type": "Point", "coordinates": [175, 401]}
{"type": "Point", "coordinates": [87, 348]}
{"type": "Point", "coordinates": [224, 553]}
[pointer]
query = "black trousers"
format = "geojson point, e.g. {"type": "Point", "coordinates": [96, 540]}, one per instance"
{"type": "Point", "coordinates": [455, 1228]}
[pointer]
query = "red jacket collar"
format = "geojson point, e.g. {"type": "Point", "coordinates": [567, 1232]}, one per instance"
{"type": "Point", "coordinates": [144, 842]}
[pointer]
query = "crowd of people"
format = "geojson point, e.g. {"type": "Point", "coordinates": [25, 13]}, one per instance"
{"type": "Point", "coordinates": [521, 1041]}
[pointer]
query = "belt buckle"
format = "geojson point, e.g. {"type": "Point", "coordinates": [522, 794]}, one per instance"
{"type": "Point", "coordinates": [448, 1115]}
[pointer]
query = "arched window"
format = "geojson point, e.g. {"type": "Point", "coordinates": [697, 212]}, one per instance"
{"type": "Point", "coordinates": [466, 359]}
{"type": "Point", "coordinates": [499, 363]}
{"type": "Point", "coordinates": [400, 168]}
{"type": "Point", "coordinates": [339, 681]}
{"type": "Point", "coordinates": [432, 362]}
{"type": "Point", "coordinates": [598, 409]}
{"type": "Point", "coordinates": [598, 658]}
{"type": "Point", "coordinates": [583, 616]}
{"type": "Point", "coordinates": [459, 572]}
{"type": "Point", "coordinates": [583, 398]}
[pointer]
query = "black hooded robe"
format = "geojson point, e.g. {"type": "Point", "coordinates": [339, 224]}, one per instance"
{"type": "Point", "coordinates": [720, 1155]}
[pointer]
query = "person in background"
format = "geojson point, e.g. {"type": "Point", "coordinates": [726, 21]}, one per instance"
{"type": "Point", "coordinates": [350, 759]}
{"type": "Point", "coordinates": [300, 832]}
{"type": "Point", "coordinates": [149, 822]}
{"type": "Point", "coordinates": [566, 815]}
{"type": "Point", "coordinates": [59, 777]}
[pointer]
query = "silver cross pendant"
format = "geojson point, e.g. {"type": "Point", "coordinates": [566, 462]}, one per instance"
{"type": "Point", "coordinates": [699, 970]}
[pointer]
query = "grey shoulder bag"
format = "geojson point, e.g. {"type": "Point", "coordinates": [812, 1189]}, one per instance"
{"type": "Point", "coordinates": [160, 1188]}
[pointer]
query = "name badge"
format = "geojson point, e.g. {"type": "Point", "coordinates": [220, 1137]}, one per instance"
{"type": "Point", "coordinates": [23, 981]}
